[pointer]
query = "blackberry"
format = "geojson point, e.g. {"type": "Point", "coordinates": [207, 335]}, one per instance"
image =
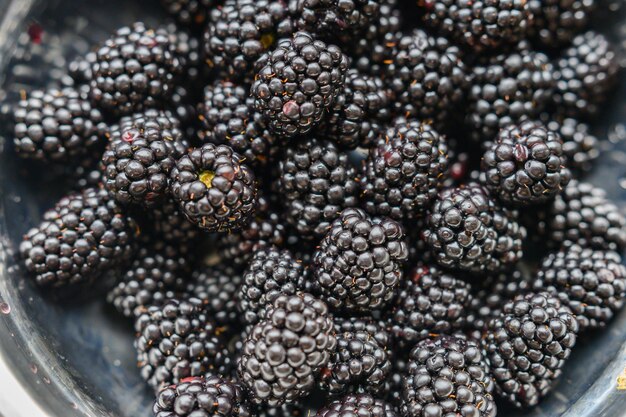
{"type": "Point", "coordinates": [526, 164]}
{"type": "Point", "coordinates": [214, 189]}
{"type": "Point", "coordinates": [271, 272]}
{"type": "Point", "coordinates": [467, 230]}
{"type": "Point", "coordinates": [403, 174]}
{"type": "Point", "coordinates": [83, 236]}
{"type": "Point", "coordinates": [240, 31]}
{"type": "Point", "coordinates": [57, 126]}
{"type": "Point", "coordinates": [592, 283]}
{"type": "Point", "coordinates": [291, 410]}
{"type": "Point", "coordinates": [580, 146]}
{"type": "Point", "coordinates": [527, 346]}
{"type": "Point", "coordinates": [228, 117]}
{"type": "Point", "coordinates": [483, 26]}
{"type": "Point", "coordinates": [426, 75]}
{"type": "Point", "coordinates": [508, 89]}
{"type": "Point", "coordinates": [218, 288]}
{"type": "Point", "coordinates": [556, 22]}
{"type": "Point", "coordinates": [317, 182]}
{"type": "Point", "coordinates": [140, 156]}
{"type": "Point", "coordinates": [358, 265]}
{"type": "Point", "coordinates": [431, 302]}
{"type": "Point", "coordinates": [284, 353]}
{"type": "Point", "coordinates": [213, 396]}
{"type": "Point", "coordinates": [447, 375]}
{"type": "Point", "coordinates": [192, 13]}
{"type": "Point", "coordinates": [172, 226]}
{"type": "Point", "coordinates": [377, 330]}
{"type": "Point", "coordinates": [297, 82]}
{"type": "Point", "coordinates": [359, 364]}
{"type": "Point", "coordinates": [134, 70]}
{"type": "Point", "coordinates": [264, 230]}
{"type": "Point", "coordinates": [357, 405]}
{"type": "Point", "coordinates": [582, 214]}
{"type": "Point", "coordinates": [177, 340]}
{"type": "Point", "coordinates": [157, 274]}
{"type": "Point", "coordinates": [585, 74]}
{"type": "Point", "coordinates": [359, 112]}
{"type": "Point", "coordinates": [329, 18]}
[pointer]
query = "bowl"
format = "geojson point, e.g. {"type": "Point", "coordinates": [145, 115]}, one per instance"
{"type": "Point", "coordinates": [74, 357]}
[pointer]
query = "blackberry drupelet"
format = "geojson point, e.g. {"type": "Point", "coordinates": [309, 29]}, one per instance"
{"type": "Point", "coordinates": [264, 230]}
{"type": "Point", "coordinates": [57, 126]}
{"type": "Point", "coordinates": [359, 112]}
{"type": "Point", "coordinates": [484, 25]}
{"type": "Point", "coordinates": [376, 329]}
{"type": "Point", "coordinates": [556, 22]}
{"type": "Point", "coordinates": [214, 189]}
{"type": "Point", "coordinates": [284, 353]}
{"type": "Point", "coordinates": [83, 236]}
{"type": "Point", "coordinates": [332, 18]}
{"type": "Point", "coordinates": [527, 346]}
{"type": "Point", "coordinates": [358, 265]}
{"type": "Point", "coordinates": [508, 89]}
{"type": "Point", "coordinates": [447, 375]}
{"type": "Point", "coordinates": [228, 117]}
{"type": "Point", "coordinates": [212, 396]}
{"type": "Point", "coordinates": [592, 283]}
{"type": "Point", "coordinates": [218, 288]}
{"type": "Point", "coordinates": [240, 31]}
{"type": "Point", "coordinates": [271, 273]}
{"type": "Point", "coordinates": [468, 230]}
{"type": "Point", "coordinates": [297, 82]}
{"type": "Point", "coordinates": [403, 174]}
{"type": "Point", "coordinates": [140, 156]}
{"type": "Point", "coordinates": [158, 273]}
{"type": "Point", "coordinates": [362, 405]}
{"type": "Point", "coordinates": [134, 70]}
{"type": "Point", "coordinates": [80, 68]}
{"type": "Point", "coordinates": [177, 340]}
{"type": "Point", "coordinates": [191, 13]}
{"type": "Point", "coordinates": [526, 164]}
{"type": "Point", "coordinates": [585, 74]}
{"type": "Point", "coordinates": [426, 74]}
{"type": "Point", "coordinates": [430, 302]}
{"type": "Point", "coordinates": [317, 182]}
{"type": "Point", "coordinates": [582, 214]}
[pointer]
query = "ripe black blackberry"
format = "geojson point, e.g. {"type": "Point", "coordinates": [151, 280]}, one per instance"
{"type": "Point", "coordinates": [170, 225]}
{"type": "Point", "coordinates": [580, 146]}
{"type": "Point", "coordinates": [157, 274]}
{"type": "Point", "coordinates": [83, 236]}
{"type": "Point", "coordinates": [214, 189]}
{"type": "Point", "coordinates": [177, 340]}
{"type": "Point", "coordinates": [585, 74]}
{"type": "Point", "coordinates": [134, 70]}
{"type": "Point", "coordinates": [592, 283]}
{"type": "Point", "coordinates": [228, 117]}
{"type": "Point", "coordinates": [212, 396]}
{"type": "Point", "coordinates": [358, 265]}
{"type": "Point", "coordinates": [240, 31]}
{"type": "Point", "coordinates": [271, 272]}
{"type": "Point", "coordinates": [526, 164]}
{"type": "Point", "coordinates": [317, 182]}
{"type": "Point", "coordinates": [284, 353]}
{"type": "Point", "coordinates": [359, 112]}
{"type": "Point", "coordinates": [527, 346]}
{"type": "Point", "coordinates": [357, 405]}
{"type": "Point", "coordinates": [447, 375]}
{"type": "Point", "coordinates": [191, 13]}
{"type": "Point", "coordinates": [57, 126]}
{"type": "Point", "coordinates": [404, 172]}
{"type": "Point", "coordinates": [292, 410]}
{"type": "Point", "coordinates": [556, 22]}
{"type": "Point", "coordinates": [426, 74]}
{"type": "Point", "coordinates": [507, 89]}
{"type": "Point", "coordinates": [297, 82]}
{"type": "Point", "coordinates": [582, 214]}
{"type": "Point", "coordinates": [431, 302]}
{"type": "Point", "coordinates": [264, 230]}
{"type": "Point", "coordinates": [218, 288]}
{"type": "Point", "coordinates": [359, 364]}
{"type": "Point", "coordinates": [140, 156]}
{"type": "Point", "coordinates": [468, 230]}
{"type": "Point", "coordinates": [483, 26]}
{"type": "Point", "coordinates": [377, 330]}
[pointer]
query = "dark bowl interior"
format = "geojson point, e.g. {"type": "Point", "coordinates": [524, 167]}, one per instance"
{"type": "Point", "coordinates": [75, 357]}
